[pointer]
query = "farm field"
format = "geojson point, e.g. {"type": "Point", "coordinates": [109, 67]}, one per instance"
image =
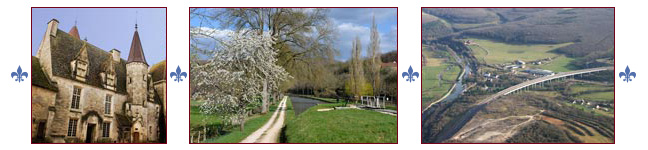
{"type": "Point", "coordinates": [592, 92]}
{"type": "Point", "coordinates": [598, 96]}
{"type": "Point", "coordinates": [560, 64]}
{"type": "Point", "coordinates": [503, 53]}
{"type": "Point", "coordinates": [431, 89]}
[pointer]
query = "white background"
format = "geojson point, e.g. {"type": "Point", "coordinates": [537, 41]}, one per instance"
{"type": "Point", "coordinates": [16, 41]}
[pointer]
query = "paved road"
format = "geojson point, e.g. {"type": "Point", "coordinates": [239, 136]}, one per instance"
{"type": "Point", "coordinates": [539, 80]}
{"type": "Point", "coordinates": [269, 132]}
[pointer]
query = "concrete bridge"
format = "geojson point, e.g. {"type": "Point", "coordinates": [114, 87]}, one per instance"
{"type": "Point", "coordinates": [541, 81]}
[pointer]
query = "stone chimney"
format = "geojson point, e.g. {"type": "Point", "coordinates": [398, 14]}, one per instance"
{"type": "Point", "coordinates": [52, 27]}
{"type": "Point", "coordinates": [116, 55]}
{"type": "Point", "coordinates": [45, 50]}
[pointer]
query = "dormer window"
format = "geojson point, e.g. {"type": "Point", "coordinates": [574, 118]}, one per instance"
{"type": "Point", "coordinates": [108, 80]}
{"type": "Point", "coordinates": [108, 75]}
{"type": "Point", "coordinates": [79, 65]}
{"type": "Point", "coordinates": [79, 69]}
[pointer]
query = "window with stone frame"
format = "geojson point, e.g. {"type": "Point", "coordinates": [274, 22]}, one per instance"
{"type": "Point", "coordinates": [79, 68]}
{"type": "Point", "coordinates": [105, 129]}
{"type": "Point", "coordinates": [108, 75]}
{"type": "Point", "coordinates": [108, 104]}
{"type": "Point", "coordinates": [72, 127]}
{"type": "Point", "coordinates": [76, 98]}
{"type": "Point", "coordinates": [108, 80]}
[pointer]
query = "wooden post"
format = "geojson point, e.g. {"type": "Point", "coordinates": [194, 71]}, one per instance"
{"type": "Point", "coordinates": [198, 137]}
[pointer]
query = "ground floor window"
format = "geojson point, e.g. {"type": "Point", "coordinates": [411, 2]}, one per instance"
{"type": "Point", "coordinates": [72, 127]}
{"type": "Point", "coordinates": [106, 129]}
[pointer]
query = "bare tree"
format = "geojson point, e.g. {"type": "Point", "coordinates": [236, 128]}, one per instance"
{"type": "Point", "coordinates": [374, 52]}
{"type": "Point", "coordinates": [357, 73]}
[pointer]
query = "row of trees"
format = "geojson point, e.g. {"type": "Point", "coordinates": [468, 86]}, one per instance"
{"type": "Point", "coordinates": [357, 85]}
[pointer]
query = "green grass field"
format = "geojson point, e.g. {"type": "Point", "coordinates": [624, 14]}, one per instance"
{"type": "Point", "coordinates": [197, 119]}
{"type": "Point", "coordinates": [290, 112]}
{"type": "Point", "coordinates": [578, 88]}
{"type": "Point", "coordinates": [234, 134]}
{"type": "Point", "coordinates": [560, 64]}
{"type": "Point", "coordinates": [506, 53]}
{"type": "Point", "coordinates": [602, 93]}
{"type": "Point", "coordinates": [341, 126]}
{"type": "Point", "coordinates": [598, 96]}
{"type": "Point", "coordinates": [430, 88]}
{"type": "Point", "coordinates": [431, 60]}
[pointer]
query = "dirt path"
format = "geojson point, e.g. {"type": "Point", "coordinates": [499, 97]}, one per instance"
{"type": "Point", "coordinates": [485, 132]}
{"type": "Point", "coordinates": [269, 132]}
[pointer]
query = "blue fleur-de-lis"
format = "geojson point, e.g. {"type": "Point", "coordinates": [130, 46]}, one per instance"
{"type": "Point", "coordinates": [410, 74]}
{"type": "Point", "coordinates": [627, 74]}
{"type": "Point", "coordinates": [19, 74]}
{"type": "Point", "coordinates": [178, 74]}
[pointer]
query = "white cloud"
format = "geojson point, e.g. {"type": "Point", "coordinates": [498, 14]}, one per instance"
{"type": "Point", "coordinates": [204, 32]}
{"type": "Point", "coordinates": [348, 32]}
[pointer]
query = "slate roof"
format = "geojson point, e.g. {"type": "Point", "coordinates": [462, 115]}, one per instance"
{"type": "Point", "coordinates": [64, 48]}
{"type": "Point", "coordinates": [38, 76]}
{"type": "Point", "coordinates": [158, 71]}
{"type": "Point", "coordinates": [136, 53]}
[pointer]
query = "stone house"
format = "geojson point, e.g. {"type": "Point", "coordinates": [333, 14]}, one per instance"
{"type": "Point", "coordinates": [83, 94]}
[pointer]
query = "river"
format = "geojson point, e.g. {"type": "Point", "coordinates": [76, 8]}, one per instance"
{"type": "Point", "coordinates": [434, 113]}
{"type": "Point", "coordinates": [301, 104]}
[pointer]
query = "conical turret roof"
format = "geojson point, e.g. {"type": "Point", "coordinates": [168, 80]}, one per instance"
{"type": "Point", "coordinates": [136, 53]}
{"type": "Point", "coordinates": [74, 32]}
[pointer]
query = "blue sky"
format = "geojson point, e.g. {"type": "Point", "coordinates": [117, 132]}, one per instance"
{"type": "Point", "coordinates": [352, 22]}
{"type": "Point", "coordinates": [108, 28]}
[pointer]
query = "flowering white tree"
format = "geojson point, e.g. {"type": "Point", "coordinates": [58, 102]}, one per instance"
{"type": "Point", "coordinates": [231, 82]}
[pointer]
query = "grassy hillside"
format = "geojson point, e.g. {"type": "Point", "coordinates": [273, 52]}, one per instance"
{"type": "Point", "coordinates": [463, 15]}
{"type": "Point", "coordinates": [589, 29]}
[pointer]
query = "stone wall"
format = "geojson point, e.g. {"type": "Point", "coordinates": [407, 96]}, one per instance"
{"type": "Point", "coordinates": [41, 100]}
{"type": "Point", "coordinates": [91, 109]}
{"type": "Point", "coordinates": [160, 87]}
{"type": "Point", "coordinates": [152, 116]}
{"type": "Point", "coordinates": [137, 73]}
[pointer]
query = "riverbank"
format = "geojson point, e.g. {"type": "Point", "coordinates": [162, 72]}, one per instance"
{"type": "Point", "coordinates": [332, 100]}
{"type": "Point", "coordinates": [340, 126]}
